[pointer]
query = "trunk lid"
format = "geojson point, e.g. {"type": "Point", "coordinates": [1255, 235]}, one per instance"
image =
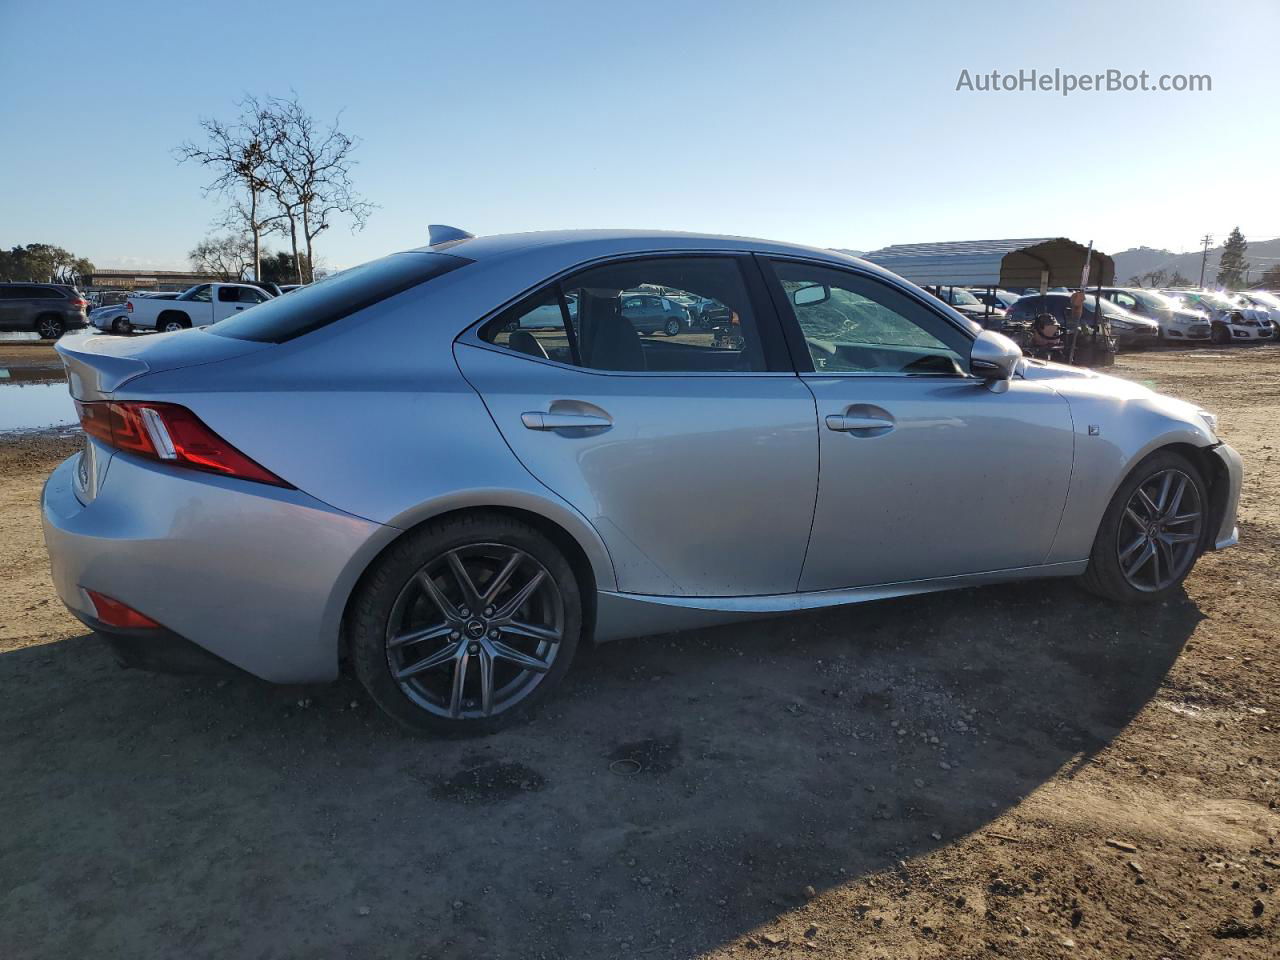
{"type": "Point", "coordinates": [97, 366]}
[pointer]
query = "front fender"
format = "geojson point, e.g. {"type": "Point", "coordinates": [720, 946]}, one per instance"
{"type": "Point", "coordinates": [1115, 430]}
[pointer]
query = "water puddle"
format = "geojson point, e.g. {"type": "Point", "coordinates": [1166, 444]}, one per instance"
{"type": "Point", "coordinates": [30, 404]}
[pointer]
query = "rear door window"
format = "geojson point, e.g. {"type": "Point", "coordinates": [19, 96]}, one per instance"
{"type": "Point", "coordinates": [614, 324]}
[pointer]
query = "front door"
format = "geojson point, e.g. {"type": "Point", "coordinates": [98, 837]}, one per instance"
{"type": "Point", "coordinates": [696, 463]}
{"type": "Point", "coordinates": [925, 472]}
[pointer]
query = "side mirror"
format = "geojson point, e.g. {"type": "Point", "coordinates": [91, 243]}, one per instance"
{"type": "Point", "coordinates": [807, 296]}
{"type": "Point", "coordinates": [994, 357]}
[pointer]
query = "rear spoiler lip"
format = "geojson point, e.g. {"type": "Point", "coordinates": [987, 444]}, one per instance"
{"type": "Point", "coordinates": [94, 376]}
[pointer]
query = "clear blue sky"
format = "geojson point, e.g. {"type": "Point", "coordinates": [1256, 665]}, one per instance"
{"type": "Point", "coordinates": [831, 123]}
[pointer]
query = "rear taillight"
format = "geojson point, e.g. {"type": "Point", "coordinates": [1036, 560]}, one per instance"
{"type": "Point", "coordinates": [113, 613]}
{"type": "Point", "coordinates": [170, 434]}
{"type": "Point", "coordinates": [128, 306]}
{"type": "Point", "coordinates": [80, 303]}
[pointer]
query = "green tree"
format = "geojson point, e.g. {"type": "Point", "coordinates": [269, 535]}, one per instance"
{"type": "Point", "coordinates": [1232, 266]}
{"type": "Point", "coordinates": [43, 263]}
{"type": "Point", "coordinates": [279, 268]}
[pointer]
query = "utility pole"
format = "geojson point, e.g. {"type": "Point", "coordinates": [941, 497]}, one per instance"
{"type": "Point", "coordinates": [1206, 240]}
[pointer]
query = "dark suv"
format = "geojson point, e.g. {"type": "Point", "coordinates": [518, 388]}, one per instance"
{"type": "Point", "coordinates": [50, 309]}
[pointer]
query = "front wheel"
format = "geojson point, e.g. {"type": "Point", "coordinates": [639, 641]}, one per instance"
{"type": "Point", "coordinates": [465, 624]}
{"type": "Point", "coordinates": [673, 327]}
{"type": "Point", "coordinates": [1220, 334]}
{"type": "Point", "coordinates": [1152, 532]}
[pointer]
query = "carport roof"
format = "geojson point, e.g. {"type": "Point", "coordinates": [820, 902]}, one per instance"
{"type": "Point", "coordinates": [1003, 263]}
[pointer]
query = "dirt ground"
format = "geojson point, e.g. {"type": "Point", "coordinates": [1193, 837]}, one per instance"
{"type": "Point", "coordinates": [1018, 771]}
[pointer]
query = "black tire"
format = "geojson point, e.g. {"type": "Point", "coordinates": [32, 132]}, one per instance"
{"type": "Point", "coordinates": [50, 327]}
{"type": "Point", "coordinates": [121, 326]}
{"type": "Point", "coordinates": [370, 622]}
{"type": "Point", "coordinates": [673, 327]}
{"type": "Point", "coordinates": [170, 322]}
{"type": "Point", "coordinates": [1220, 334]}
{"type": "Point", "coordinates": [1105, 576]}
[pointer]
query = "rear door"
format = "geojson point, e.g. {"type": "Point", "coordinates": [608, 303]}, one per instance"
{"type": "Point", "coordinates": [10, 307]}
{"type": "Point", "coordinates": [231, 300]}
{"type": "Point", "coordinates": [697, 464]}
{"type": "Point", "coordinates": [925, 472]}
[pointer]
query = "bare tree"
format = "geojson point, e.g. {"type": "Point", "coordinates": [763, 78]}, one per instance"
{"type": "Point", "coordinates": [239, 153]}
{"type": "Point", "coordinates": [310, 173]}
{"type": "Point", "coordinates": [227, 256]}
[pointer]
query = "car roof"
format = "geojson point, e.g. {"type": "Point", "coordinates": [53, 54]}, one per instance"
{"type": "Point", "coordinates": [580, 245]}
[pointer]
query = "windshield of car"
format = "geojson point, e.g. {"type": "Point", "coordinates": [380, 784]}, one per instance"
{"type": "Point", "coordinates": [1267, 299]}
{"type": "Point", "coordinates": [958, 296]}
{"type": "Point", "coordinates": [1156, 301]}
{"type": "Point", "coordinates": [1109, 309]}
{"type": "Point", "coordinates": [336, 296]}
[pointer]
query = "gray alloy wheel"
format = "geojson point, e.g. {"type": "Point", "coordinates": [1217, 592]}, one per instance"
{"type": "Point", "coordinates": [474, 631]}
{"type": "Point", "coordinates": [1158, 537]}
{"type": "Point", "coordinates": [49, 328]}
{"type": "Point", "coordinates": [172, 326]}
{"type": "Point", "coordinates": [673, 327]}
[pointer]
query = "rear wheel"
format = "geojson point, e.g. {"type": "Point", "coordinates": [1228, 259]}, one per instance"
{"type": "Point", "coordinates": [121, 326]}
{"type": "Point", "coordinates": [465, 624]}
{"type": "Point", "coordinates": [1152, 532]}
{"type": "Point", "coordinates": [172, 323]}
{"type": "Point", "coordinates": [50, 327]}
{"type": "Point", "coordinates": [673, 327]}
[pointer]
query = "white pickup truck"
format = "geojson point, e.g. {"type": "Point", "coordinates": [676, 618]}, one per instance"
{"type": "Point", "coordinates": [199, 306]}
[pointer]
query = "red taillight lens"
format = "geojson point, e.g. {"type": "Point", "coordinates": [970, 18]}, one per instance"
{"type": "Point", "coordinates": [169, 433]}
{"type": "Point", "coordinates": [116, 614]}
{"type": "Point", "coordinates": [128, 306]}
{"type": "Point", "coordinates": [79, 303]}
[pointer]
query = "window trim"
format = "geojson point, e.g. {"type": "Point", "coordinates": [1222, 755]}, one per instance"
{"type": "Point", "coordinates": [773, 345]}
{"type": "Point", "coordinates": [799, 348]}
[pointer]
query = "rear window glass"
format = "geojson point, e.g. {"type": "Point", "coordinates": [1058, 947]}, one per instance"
{"type": "Point", "coordinates": [340, 295]}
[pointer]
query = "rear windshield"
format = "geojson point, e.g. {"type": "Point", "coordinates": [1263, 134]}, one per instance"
{"type": "Point", "coordinates": [340, 295]}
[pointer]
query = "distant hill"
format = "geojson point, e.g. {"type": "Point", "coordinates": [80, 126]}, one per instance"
{"type": "Point", "coordinates": [1129, 263]}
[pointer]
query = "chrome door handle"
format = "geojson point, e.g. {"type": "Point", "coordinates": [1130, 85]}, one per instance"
{"type": "Point", "coordinates": [537, 420]}
{"type": "Point", "coordinates": [847, 424]}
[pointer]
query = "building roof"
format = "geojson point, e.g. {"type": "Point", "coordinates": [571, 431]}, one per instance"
{"type": "Point", "coordinates": [1004, 263]}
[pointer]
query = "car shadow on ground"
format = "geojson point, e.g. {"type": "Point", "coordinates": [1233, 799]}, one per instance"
{"type": "Point", "coordinates": [682, 790]}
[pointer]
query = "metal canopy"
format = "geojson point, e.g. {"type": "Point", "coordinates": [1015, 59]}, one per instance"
{"type": "Point", "coordinates": [995, 263]}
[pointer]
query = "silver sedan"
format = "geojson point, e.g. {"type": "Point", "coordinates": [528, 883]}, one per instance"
{"type": "Point", "coordinates": [398, 469]}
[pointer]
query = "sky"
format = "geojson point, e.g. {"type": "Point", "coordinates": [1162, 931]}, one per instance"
{"type": "Point", "coordinates": [829, 123]}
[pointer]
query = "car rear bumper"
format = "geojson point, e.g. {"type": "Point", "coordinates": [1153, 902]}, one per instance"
{"type": "Point", "coordinates": [255, 575]}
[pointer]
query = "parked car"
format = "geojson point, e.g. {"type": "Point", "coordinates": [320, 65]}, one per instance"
{"type": "Point", "coordinates": [969, 305]}
{"type": "Point", "coordinates": [49, 309]}
{"type": "Point", "coordinates": [1176, 322]}
{"type": "Point", "coordinates": [1128, 329]}
{"type": "Point", "coordinates": [652, 314]}
{"type": "Point", "coordinates": [197, 306]}
{"type": "Point", "coordinates": [116, 318]}
{"type": "Point", "coordinates": [1231, 321]}
{"type": "Point", "coordinates": [1262, 300]}
{"type": "Point", "coordinates": [1002, 299]}
{"type": "Point", "coordinates": [277, 500]}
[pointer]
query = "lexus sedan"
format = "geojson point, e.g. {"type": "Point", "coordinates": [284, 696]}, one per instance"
{"type": "Point", "coordinates": [388, 468]}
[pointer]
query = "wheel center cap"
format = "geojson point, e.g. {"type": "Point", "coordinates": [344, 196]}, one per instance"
{"type": "Point", "coordinates": [475, 629]}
